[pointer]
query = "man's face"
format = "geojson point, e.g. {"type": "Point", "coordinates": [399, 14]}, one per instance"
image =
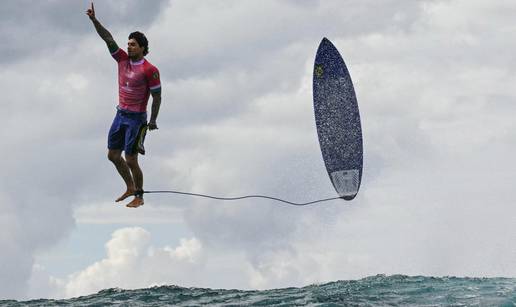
{"type": "Point", "coordinates": [134, 49]}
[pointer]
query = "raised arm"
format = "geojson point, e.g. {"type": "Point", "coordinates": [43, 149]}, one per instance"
{"type": "Point", "coordinates": [103, 33]}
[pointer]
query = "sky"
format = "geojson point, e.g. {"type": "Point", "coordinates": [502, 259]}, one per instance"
{"type": "Point", "coordinates": [435, 85]}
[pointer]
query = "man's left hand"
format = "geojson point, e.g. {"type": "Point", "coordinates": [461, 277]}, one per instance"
{"type": "Point", "coordinates": [153, 126]}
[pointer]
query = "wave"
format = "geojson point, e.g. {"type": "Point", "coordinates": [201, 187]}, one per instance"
{"type": "Point", "coordinates": [379, 290]}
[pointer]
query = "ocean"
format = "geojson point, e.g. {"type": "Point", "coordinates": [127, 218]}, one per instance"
{"type": "Point", "coordinates": [379, 290]}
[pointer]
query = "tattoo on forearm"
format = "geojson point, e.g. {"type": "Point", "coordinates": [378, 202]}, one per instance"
{"type": "Point", "coordinates": [104, 34]}
{"type": "Point", "coordinates": [156, 102]}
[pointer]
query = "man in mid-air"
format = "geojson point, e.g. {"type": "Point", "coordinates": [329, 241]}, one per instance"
{"type": "Point", "coordinates": [137, 80]}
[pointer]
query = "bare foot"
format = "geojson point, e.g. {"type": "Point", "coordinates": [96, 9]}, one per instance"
{"type": "Point", "coordinates": [125, 195]}
{"type": "Point", "coordinates": [135, 203]}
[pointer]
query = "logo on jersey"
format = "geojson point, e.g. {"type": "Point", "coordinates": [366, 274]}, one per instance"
{"type": "Point", "coordinates": [155, 75]}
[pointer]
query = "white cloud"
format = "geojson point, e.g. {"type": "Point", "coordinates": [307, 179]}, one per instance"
{"type": "Point", "coordinates": [432, 114]}
{"type": "Point", "coordinates": [117, 213]}
{"type": "Point", "coordinates": [131, 262]}
{"type": "Point", "coordinates": [434, 82]}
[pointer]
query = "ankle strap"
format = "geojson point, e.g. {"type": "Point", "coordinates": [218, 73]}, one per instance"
{"type": "Point", "coordinates": [139, 193]}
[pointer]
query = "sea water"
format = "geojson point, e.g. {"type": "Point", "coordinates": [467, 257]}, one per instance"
{"type": "Point", "coordinates": [380, 290]}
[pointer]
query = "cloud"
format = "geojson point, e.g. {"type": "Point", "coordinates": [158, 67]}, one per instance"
{"type": "Point", "coordinates": [26, 231]}
{"type": "Point", "coordinates": [131, 262]}
{"type": "Point", "coordinates": [32, 28]}
{"type": "Point", "coordinates": [432, 114]}
{"type": "Point", "coordinates": [434, 82]}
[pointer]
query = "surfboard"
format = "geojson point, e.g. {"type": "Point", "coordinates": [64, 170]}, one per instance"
{"type": "Point", "coordinates": [338, 120]}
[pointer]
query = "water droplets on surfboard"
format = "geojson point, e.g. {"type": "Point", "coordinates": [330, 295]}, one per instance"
{"type": "Point", "coordinates": [338, 120]}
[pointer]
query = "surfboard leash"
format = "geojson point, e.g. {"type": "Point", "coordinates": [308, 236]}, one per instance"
{"type": "Point", "coordinates": [244, 197]}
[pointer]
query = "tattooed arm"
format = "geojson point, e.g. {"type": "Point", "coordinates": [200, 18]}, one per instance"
{"type": "Point", "coordinates": [103, 33]}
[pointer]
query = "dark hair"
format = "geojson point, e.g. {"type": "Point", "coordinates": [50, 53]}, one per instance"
{"type": "Point", "coordinates": [142, 41]}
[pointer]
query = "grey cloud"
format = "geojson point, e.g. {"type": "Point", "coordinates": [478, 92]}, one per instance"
{"type": "Point", "coordinates": [29, 28]}
{"type": "Point", "coordinates": [210, 39]}
{"type": "Point", "coordinates": [236, 118]}
{"type": "Point", "coordinates": [409, 77]}
{"type": "Point", "coordinates": [231, 65]}
{"type": "Point", "coordinates": [54, 128]}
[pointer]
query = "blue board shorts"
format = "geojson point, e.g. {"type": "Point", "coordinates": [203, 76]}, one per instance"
{"type": "Point", "coordinates": [128, 131]}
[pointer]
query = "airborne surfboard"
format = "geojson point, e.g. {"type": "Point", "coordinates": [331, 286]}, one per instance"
{"type": "Point", "coordinates": [338, 120]}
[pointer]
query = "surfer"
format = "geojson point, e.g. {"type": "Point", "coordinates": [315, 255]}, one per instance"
{"type": "Point", "coordinates": [137, 80]}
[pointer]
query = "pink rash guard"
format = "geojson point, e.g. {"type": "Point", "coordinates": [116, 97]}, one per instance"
{"type": "Point", "coordinates": [136, 80]}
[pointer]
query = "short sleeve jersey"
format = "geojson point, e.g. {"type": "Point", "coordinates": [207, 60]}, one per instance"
{"type": "Point", "coordinates": [136, 80]}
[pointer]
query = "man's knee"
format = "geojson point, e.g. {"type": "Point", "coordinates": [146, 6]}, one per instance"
{"type": "Point", "coordinates": [114, 156]}
{"type": "Point", "coordinates": [132, 160]}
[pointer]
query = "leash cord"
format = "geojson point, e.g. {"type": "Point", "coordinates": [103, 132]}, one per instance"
{"type": "Point", "coordinates": [244, 197]}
